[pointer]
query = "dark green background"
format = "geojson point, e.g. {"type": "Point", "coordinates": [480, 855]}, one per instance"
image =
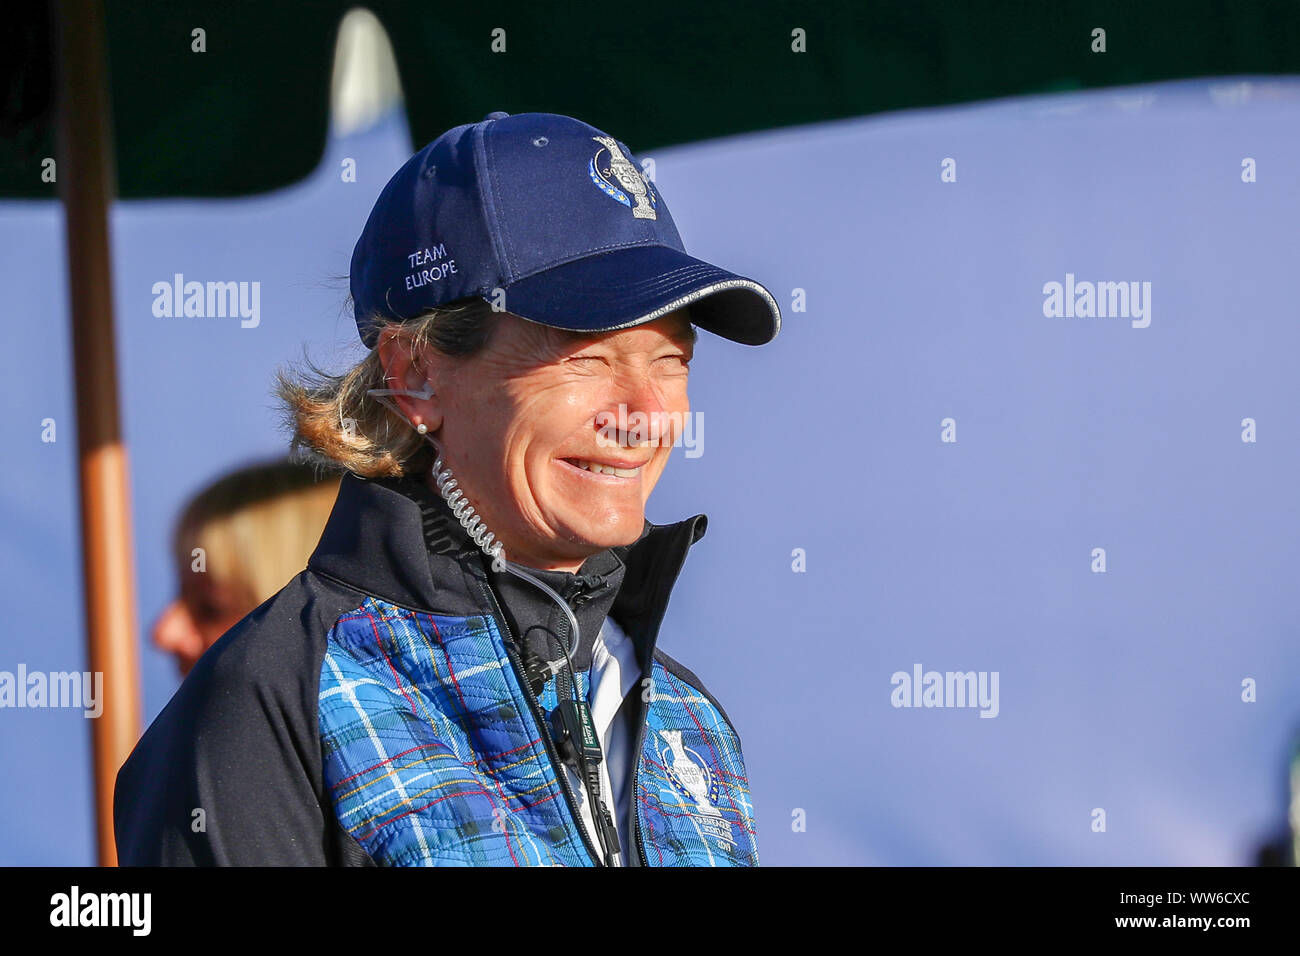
{"type": "Point", "coordinates": [251, 113]}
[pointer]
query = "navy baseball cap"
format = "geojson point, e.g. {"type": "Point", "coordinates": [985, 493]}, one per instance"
{"type": "Point", "coordinates": [557, 215]}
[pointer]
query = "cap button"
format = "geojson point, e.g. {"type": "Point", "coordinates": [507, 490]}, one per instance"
{"type": "Point", "coordinates": [495, 116]}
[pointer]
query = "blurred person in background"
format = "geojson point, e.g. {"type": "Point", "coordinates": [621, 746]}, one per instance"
{"type": "Point", "coordinates": [235, 544]}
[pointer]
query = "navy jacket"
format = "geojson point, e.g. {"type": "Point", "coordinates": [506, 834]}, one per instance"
{"type": "Point", "coordinates": [385, 708]}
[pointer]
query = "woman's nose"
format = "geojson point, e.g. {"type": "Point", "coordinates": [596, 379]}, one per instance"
{"type": "Point", "coordinates": [654, 412]}
{"type": "Point", "coordinates": [175, 633]}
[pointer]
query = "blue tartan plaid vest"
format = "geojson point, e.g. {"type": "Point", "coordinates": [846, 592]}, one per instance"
{"type": "Point", "coordinates": [436, 751]}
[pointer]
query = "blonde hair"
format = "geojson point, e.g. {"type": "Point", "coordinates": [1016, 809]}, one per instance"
{"type": "Point", "coordinates": [334, 423]}
{"type": "Point", "coordinates": [257, 526]}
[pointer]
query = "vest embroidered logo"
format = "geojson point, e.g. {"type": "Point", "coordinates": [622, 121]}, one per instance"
{"type": "Point", "coordinates": [628, 176]}
{"type": "Point", "coordinates": [692, 778]}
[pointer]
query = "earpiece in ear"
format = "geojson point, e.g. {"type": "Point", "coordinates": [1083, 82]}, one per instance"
{"type": "Point", "coordinates": [423, 394]}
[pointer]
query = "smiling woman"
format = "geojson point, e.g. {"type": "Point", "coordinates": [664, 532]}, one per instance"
{"type": "Point", "coordinates": [567, 482]}
{"type": "Point", "coordinates": [467, 671]}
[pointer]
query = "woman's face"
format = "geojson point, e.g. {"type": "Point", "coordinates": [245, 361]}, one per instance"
{"type": "Point", "coordinates": [522, 421]}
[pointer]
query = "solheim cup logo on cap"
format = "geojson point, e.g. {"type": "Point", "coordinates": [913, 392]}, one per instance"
{"type": "Point", "coordinates": [629, 177]}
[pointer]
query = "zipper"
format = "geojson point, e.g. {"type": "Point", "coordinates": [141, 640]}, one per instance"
{"type": "Point", "coordinates": [516, 662]}
{"type": "Point", "coordinates": [637, 840]}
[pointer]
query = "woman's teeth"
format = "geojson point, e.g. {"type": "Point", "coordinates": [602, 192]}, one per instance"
{"type": "Point", "coordinates": [603, 469]}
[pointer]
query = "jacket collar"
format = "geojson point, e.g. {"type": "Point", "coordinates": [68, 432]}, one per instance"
{"type": "Point", "coordinates": [396, 539]}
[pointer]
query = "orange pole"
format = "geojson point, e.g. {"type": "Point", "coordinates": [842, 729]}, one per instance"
{"type": "Point", "coordinates": [87, 179]}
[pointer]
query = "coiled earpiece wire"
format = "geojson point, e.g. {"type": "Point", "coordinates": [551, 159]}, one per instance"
{"type": "Point", "coordinates": [474, 526]}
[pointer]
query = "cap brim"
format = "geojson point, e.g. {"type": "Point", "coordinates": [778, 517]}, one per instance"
{"type": "Point", "coordinates": [632, 286]}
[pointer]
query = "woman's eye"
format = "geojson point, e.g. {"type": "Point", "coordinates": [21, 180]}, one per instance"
{"type": "Point", "coordinates": [206, 611]}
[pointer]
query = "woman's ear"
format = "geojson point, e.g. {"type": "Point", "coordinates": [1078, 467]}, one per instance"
{"type": "Point", "coordinates": [406, 372]}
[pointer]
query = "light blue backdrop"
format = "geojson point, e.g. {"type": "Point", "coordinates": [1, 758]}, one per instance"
{"type": "Point", "coordinates": [924, 302]}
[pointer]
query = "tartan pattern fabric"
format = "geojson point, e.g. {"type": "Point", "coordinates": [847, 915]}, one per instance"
{"type": "Point", "coordinates": [693, 794]}
{"type": "Point", "coordinates": [432, 756]}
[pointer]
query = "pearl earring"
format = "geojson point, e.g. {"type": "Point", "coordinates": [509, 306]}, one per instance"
{"type": "Point", "coordinates": [422, 428]}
